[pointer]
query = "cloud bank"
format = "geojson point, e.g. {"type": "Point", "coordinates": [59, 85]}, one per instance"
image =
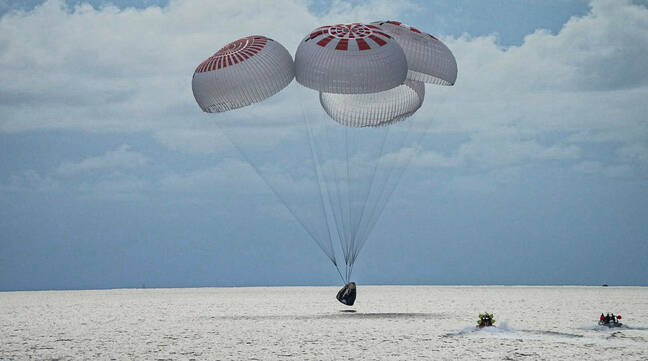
{"type": "Point", "coordinates": [129, 70]}
{"type": "Point", "coordinates": [121, 157]}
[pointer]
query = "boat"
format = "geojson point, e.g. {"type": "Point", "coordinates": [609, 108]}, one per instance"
{"type": "Point", "coordinates": [610, 321]}
{"type": "Point", "coordinates": [610, 324]}
{"type": "Point", "coordinates": [485, 320]}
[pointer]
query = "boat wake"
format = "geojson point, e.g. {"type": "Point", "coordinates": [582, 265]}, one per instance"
{"type": "Point", "coordinates": [501, 328]}
{"type": "Point", "coordinates": [552, 333]}
{"type": "Point", "coordinates": [639, 328]}
{"type": "Point", "coordinates": [606, 328]}
{"type": "Point", "coordinates": [504, 330]}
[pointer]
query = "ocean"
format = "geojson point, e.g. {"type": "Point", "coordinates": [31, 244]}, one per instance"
{"type": "Point", "coordinates": [307, 323]}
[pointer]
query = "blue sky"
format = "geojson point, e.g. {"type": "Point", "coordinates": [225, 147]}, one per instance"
{"type": "Point", "coordinates": [534, 171]}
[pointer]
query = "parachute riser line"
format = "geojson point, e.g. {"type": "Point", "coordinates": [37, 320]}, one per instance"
{"type": "Point", "coordinates": [277, 194]}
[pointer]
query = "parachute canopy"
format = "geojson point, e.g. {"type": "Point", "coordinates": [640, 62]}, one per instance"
{"type": "Point", "coordinates": [350, 59]}
{"type": "Point", "coordinates": [428, 59]}
{"type": "Point", "coordinates": [243, 72]}
{"type": "Point", "coordinates": [374, 109]}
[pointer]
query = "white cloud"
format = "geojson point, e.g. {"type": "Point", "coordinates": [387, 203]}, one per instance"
{"type": "Point", "coordinates": [471, 184]}
{"type": "Point", "coordinates": [635, 152]}
{"type": "Point", "coordinates": [583, 84]}
{"type": "Point", "coordinates": [193, 140]}
{"type": "Point", "coordinates": [116, 187]}
{"type": "Point", "coordinates": [435, 159]}
{"type": "Point", "coordinates": [110, 69]}
{"type": "Point", "coordinates": [595, 167]}
{"type": "Point", "coordinates": [228, 175]}
{"type": "Point", "coordinates": [485, 182]}
{"type": "Point", "coordinates": [130, 70]}
{"type": "Point", "coordinates": [29, 180]}
{"type": "Point", "coordinates": [506, 152]}
{"type": "Point", "coordinates": [120, 158]}
{"type": "Point", "coordinates": [601, 50]}
{"type": "Point", "coordinates": [488, 152]}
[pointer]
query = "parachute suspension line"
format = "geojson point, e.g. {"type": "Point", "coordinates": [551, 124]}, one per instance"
{"type": "Point", "coordinates": [385, 192]}
{"type": "Point", "coordinates": [318, 175]}
{"type": "Point", "coordinates": [352, 186]}
{"type": "Point", "coordinates": [399, 173]}
{"type": "Point", "coordinates": [349, 181]}
{"type": "Point", "coordinates": [380, 192]}
{"type": "Point", "coordinates": [349, 268]}
{"type": "Point", "coordinates": [348, 193]}
{"type": "Point", "coordinates": [367, 195]}
{"type": "Point", "coordinates": [333, 179]}
{"type": "Point", "coordinates": [353, 183]}
{"type": "Point", "coordinates": [338, 208]}
{"type": "Point", "coordinates": [277, 194]}
{"type": "Point", "coordinates": [354, 178]}
{"type": "Point", "coordinates": [349, 271]}
{"type": "Point", "coordinates": [340, 273]}
{"type": "Point", "coordinates": [340, 211]}
{"type": "Point", "coordinates": [382, 203]}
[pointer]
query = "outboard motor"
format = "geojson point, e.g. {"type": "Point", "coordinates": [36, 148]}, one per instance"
{"type": "Point", "coordinates": [347, 294]}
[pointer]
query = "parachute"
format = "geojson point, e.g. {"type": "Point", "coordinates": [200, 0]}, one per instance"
{"type": "Point", "coordinates": [428, 59]}
{"type": "Point", "coordinates": [237, 75]}
{"type": "Point", "coordinates": [333, 160]}
{"type": "Point", "coordinates": [349, 59]}
{"type": "Point", "coordinates": [375, 109]}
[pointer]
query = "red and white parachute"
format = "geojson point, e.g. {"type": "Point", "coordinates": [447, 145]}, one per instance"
{"type": "Point", "coordinates": [334, 176]}
{"type": "Point", "coordinates": [428, 59]}
{"type": "Point", "coordinates": [349, 59]}
{"type": "Point", "coordinates": [243, 72]}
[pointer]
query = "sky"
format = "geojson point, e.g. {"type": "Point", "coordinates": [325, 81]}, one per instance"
{"type": "Point", "coordinates": [534, 169]}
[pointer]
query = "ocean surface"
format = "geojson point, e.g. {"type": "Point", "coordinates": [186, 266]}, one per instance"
{"type": "Point", "coordinates": [307, 323]}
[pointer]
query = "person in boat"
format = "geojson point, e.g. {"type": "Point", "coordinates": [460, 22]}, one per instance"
{"type": "Point", "coordinates": [485, 320]}
{"type": "Point", "coordinates": [610, 320]}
